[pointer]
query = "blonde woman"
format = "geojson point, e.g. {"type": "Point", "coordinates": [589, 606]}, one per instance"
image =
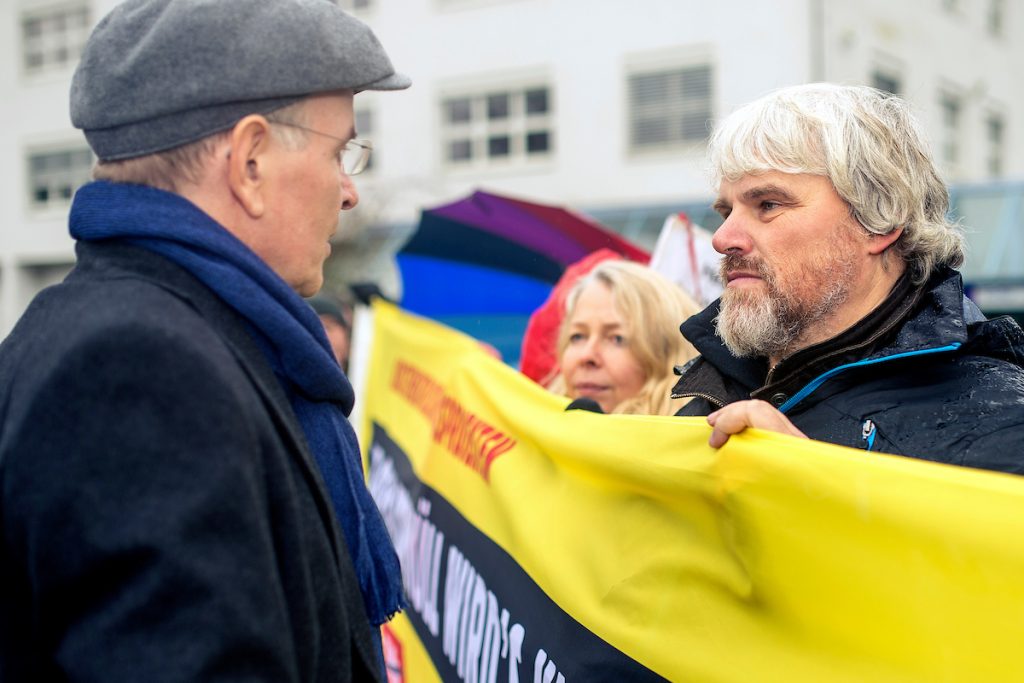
{"type": "Point", "coordinates": [620, 339]}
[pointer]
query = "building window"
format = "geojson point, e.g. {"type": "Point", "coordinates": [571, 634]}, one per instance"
{"type": "Point", "coordinates": [886, 82]}
{"type": "Point", "coordinates": [996, 15]}
{"type": "Point", "coordinates": [55, 175]}
{"type": "Point", "coordinates": [354, 5]}
{"type": "Point", "coordinates": [951, 110]}
{"type": "Point", "coordinates": [498, 126]}
{"type": "Point", "coordinates": [995, 129]}
{"type": "Point", "coordinates": [669, 107]}
{"type": "Point", "coordinates": [364, 129]}
{"type": "Point", "coordinates": [54, 37]}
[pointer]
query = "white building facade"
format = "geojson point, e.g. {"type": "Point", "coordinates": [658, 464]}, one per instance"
{"type": "Point", "coordinates": [598, 105]}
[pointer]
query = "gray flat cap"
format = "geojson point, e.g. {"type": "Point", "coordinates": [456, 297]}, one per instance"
{"type": "Point", "coordinates": [157, 74]}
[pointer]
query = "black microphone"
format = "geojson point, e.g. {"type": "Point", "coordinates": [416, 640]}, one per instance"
{"type": "Point", "coordinates": [365, 292]}
{"type": "Point", "coordinates": [585, 403]}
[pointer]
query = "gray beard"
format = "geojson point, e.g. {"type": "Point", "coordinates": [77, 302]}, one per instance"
{"type": "Point", "coordinates": [752, 327]}
{"type": "Point", "coordinates": [773, 324]}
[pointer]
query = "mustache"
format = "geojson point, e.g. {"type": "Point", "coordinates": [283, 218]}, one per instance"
{"type": "Point", "coordinates": [752, 265]}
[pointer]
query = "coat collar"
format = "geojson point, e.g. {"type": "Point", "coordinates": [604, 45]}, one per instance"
{"type": "Point", "coordinates": [912, 320]}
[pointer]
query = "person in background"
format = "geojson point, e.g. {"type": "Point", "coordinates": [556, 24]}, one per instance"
{"type": "Point", "coordinates": [539, 354]}
{"type": "Point", "coordinates": [844, 318]}
{"type": "Point", "coordinates": [617, 344]}
{"type": "Point", "coordinates": [182, 495]}
{"type": "Point", "coordinates": [336, 326]}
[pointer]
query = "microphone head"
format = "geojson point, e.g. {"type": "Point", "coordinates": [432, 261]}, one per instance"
{"type": "Point", "coordinates": [585, 403]}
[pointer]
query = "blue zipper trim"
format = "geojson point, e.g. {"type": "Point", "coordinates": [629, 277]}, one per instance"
{"type": "Point", "coordinates": [813, 385]}
{"type": "Point", "coordinates": [868, 431]}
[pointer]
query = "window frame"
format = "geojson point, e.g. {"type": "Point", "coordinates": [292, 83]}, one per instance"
{"type": "Point", "coordinates": [669, 68]}
{"type": "Point", "coordinates": [367, 111]}
{"type": "Point", "coordinates": [995, 148]}
{"type": "Point", "coordinates": [71, 39]}
{"type": "Point", "coordinates": [890, 77]}
{"type": "Point", "coordinates": [357, 7]}
{"type": "Point", "coordinates": [995, 18]}
{"type": "Point", "coordinates": [75, 175]}
{"type": "Point", "coordinates": [498, 127]}
{"type": "Point", "coordinates": [951, 143]}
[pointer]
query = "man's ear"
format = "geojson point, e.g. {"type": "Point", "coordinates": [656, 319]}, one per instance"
{"type": "Point", "coordinates": [247, 161]}
{"type": "Point", "coordinates": [877, 244]}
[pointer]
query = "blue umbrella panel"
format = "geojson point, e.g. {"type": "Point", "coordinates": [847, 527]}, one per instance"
{"type": "Point", "coordinates": [484, 285]}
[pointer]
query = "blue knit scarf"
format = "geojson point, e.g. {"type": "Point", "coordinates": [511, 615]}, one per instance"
{"type": "Point", "coordinates": [292, 338]}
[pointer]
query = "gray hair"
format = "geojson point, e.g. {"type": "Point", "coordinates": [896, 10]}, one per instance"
{"type": "Point", "coordinates": [867, 143]}
{"type": "Point", "coordinates": [172, 169]}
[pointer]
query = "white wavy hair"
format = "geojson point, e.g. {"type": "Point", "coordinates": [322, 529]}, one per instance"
{"type": "Point", "coordinates": [867, 143]}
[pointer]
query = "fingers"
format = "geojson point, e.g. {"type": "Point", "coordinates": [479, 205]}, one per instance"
{"type": "Point", "coordinates": [730, 420]}
{"type": "Point", "coordinates": [736, 417]}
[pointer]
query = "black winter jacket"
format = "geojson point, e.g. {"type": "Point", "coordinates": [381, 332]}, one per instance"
{"type": "Point", "coordinates": [932, 379]}
{"type": "Point", "coordinates": [163, 519]}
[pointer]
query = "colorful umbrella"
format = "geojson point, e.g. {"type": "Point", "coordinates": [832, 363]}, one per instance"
{"type": "Point", "coordinates": [484, 263]}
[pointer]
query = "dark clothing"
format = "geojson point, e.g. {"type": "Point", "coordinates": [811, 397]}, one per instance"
{"type": "Point", "coordinates": [163, 518]}
{"type": "Point", "coordinates": [291, 338]}
{"type": "Point", "coordinates": [924, 375]}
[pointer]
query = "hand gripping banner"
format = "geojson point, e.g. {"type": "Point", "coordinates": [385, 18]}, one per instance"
{"type": "Point", "coordinates": [544, 546]}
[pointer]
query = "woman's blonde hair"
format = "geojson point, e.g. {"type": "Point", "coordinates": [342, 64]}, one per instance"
{"type": "Point", "coordinates": [653, 307]}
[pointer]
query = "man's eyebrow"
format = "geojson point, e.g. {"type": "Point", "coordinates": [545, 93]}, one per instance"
{"type": "Point", "coordinates": [346, 138]}
{"type": "Point", "coordinates": [761, 191]}
{"type": "Point", "coordinates": [343, 141]}
{"type": "Point", "coordinates": [720, 205]}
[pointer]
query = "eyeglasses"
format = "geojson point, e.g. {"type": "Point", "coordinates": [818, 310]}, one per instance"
{"type": "Point", "coordinates": [354, 156]}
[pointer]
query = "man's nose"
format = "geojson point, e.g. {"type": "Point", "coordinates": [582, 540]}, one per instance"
{"type": "Point", "coordinates": [349, 194]}
{"type": "Point", "coordinates": [732, 236]}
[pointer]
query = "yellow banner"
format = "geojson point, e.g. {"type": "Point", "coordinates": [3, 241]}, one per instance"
{"type": "Point", "coordinates": [547, 546]}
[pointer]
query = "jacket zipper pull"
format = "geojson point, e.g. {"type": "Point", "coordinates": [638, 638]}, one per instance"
{"type": "Point", "coordinates": [867, 433]}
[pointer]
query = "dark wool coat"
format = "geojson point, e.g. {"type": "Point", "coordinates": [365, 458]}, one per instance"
{"type": "Point", "coordinates": [162, 517]}
{"type": "Point", "coordinates": [932, 379]}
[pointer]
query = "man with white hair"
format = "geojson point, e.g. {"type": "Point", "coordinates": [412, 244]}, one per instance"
{"type": "Point", "coordinates": [843, 318]}
{"type": "Point", "coordinates": [182, 495]}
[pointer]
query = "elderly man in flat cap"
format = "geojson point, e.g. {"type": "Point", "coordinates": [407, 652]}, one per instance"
{"type": "Point", "coordinates": [182, 494]}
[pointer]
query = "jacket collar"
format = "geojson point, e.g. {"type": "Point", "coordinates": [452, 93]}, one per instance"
{"type": "Point", "coordinates": [911, 320]}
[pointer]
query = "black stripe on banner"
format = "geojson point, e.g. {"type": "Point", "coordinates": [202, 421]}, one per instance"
{"type": "Point", "coordinates": [481, 618]}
